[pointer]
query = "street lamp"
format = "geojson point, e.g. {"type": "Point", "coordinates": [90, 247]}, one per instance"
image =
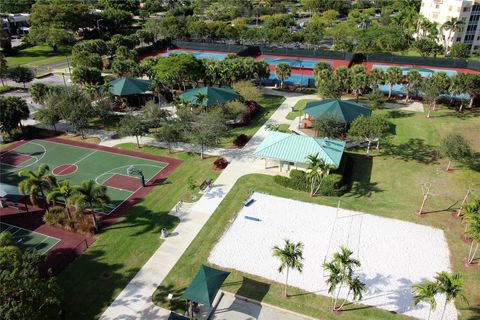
{"type": "Point", "coordinates": [98, 27]}
{"type": "Point", "coordinates": [64, 82]}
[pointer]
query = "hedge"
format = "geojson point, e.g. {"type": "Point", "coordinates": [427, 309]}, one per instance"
{"type": "Point", "coordinates": [332, 185]}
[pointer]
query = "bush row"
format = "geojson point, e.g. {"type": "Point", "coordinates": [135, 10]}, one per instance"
{"type": "Point", "coordinates": [332, 185]}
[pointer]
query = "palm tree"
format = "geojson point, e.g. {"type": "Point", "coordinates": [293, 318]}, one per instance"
{"type": "Point", "coordinates": [473, 231]}
{"type": "Point", "coordinates": [340, 271]}
{"type": "Point", "coordinates": [35, 183]}
{"type": "Point", "coordinates": [64, 191]}
{"type": "Point", "coordinates": [356, 287]}
{"type": "Point", "coordinates": [425, 292]}
{"type": "Point", "coordinates": [335, 278]}
{"type": "Point", "coordinates": [282, 72]}
{"type": "Point", "coordinates": [452, 25]}
{"type": "Point", "coordinates": [376, 78]}
{"type": "Point", "coordinates": [414, 82]}
{"type": "Point", "coordinates": [344, 257]}
{"type": "Point", "coordinates": [200, 98]}
{"type": "Point", "coordinates": [458, 86]}
{"type": "Point", "coordinates": [290, 256]}
{"type": "Point", "coordinates": [393, 76]}
{"type": "Point", "coordinates": [451, 286]}
{"type": "Point", "coordinates": [317, 170]}
{"type": "Point", "coordinates": [471, 213]}
{"type": "Point", "coordinates": [90, 195]}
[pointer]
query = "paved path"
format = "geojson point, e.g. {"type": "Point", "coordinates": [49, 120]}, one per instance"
{"type": "Point", "coordinates": [135, 301]}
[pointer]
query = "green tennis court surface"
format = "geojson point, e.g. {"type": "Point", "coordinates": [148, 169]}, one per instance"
{"type": "Point", "coordinates": [29, 240]}
{"type": "Point", "coordinates": [78, 164]}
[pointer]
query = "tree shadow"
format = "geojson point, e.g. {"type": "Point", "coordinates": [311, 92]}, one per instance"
{"type": "Point", "coordinates": [396, 114]}
{"type": "Point", "coordinates": [253, 289]}
{"type": "Point", "coordinates": [175, 303]}
{"type": "Point", "coordinates": [144, 221]}
{"type": "Point", "coordinates": [474, 162]}
{"type": "Point", "coordinates": [414, 149]}
{"type": "Point", "coordinates": [357, 175]}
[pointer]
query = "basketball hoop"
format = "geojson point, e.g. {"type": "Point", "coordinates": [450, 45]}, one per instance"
{"type": "Point", "coordinates": [132, 171]}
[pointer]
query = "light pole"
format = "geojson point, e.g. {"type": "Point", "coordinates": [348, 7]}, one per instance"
{"type": "Point", "coordinates": [98, 27]}
{"type": "Point", "coordinates": [64, 82]}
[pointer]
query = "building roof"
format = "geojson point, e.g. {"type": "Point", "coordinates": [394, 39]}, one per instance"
{"type": "Point", "coordinates": [213, 96]}
{"type": "Point", "coordinates": [296, 148]}
{"type": "Point", "coordinates": [128, 86]}
{"type": "Point", "coordinates": [205, 285]}
{"type": "Point", "coordinates": [345, 111]}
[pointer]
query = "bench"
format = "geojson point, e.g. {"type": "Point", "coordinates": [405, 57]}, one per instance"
{"type": "Point", "coordinates": [206, 185]}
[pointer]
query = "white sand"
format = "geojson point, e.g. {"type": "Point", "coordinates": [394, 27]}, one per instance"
{"type": "Point", "coordinates": [394, 254]}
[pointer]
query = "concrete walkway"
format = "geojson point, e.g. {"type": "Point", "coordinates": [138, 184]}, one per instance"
{"type": "Point", "coordinates": [135, 301]}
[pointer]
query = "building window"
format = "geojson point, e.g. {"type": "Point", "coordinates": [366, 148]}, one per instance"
{"type": "Point", "coordinates": [478, 38]}
{"type": "Point", "coordinates": [437, 6]}
{"type": "Point", "coordinates": [466, 9]}
{"type": "Point", "coordinates": [459, 39]}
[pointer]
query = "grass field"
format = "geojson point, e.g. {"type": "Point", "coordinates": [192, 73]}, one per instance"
{"type": "Point", "coordinates": [28, 239]}
{"type": "Point", "coordinates": [387, 185]}
{"type": "Point", "coordinates": [39, 55]}
{"type": "Point", "coordinates": [269, 104]}
{"type": "Point", "coordinates": [298, 107]}
{"type": "Point", "coordinates": [104, 167]}
{"type": "Point", "coordinates": [93, 281]}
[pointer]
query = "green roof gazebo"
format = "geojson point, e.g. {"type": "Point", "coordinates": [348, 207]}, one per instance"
{"type": "Point", "coordinates": [345, 111]}
{"type": "Point", "coordinates": [129, 86]}
{"type": "Point", "coordinates": [205, 285]}
{"type": "Point", "coordinates": [208, 96]}
{"type": "Point", "coordinates": [291, 148]}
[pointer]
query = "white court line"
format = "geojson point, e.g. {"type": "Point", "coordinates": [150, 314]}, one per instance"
{"type": "Point", "coordinates": [76, 162]}
{"type": "Point", "coordinates": [12, 226]}
{"type": "Point", "coordinates": [119, 154]}
{"type": "Point", "coordinates": [37, 159]}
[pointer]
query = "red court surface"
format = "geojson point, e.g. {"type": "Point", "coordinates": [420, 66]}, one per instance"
{"type": "Point", "coordinates": [13, 158]}
{"type": "Point", "coordinates": [121, 181]}
{"type": "Point", "coordinates": [71, 244]}
{"type": "Point", "coordinates": [64, 169]}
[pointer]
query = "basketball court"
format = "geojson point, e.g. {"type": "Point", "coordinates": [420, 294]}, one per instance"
{"type": "Point", "coordinates": [28, 239]}
{"type": "Point", "coordinates": [78, 162]}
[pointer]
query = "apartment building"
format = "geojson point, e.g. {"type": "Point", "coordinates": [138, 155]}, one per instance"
{"type": "Point", "coordinates": [468, 11]}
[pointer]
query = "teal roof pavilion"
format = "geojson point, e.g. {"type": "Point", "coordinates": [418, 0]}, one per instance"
{"type": "Point", "coordinates": [345, 111]}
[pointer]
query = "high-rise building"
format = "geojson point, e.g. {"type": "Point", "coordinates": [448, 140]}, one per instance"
{"type": "Point", "coordinates": [468, 11]}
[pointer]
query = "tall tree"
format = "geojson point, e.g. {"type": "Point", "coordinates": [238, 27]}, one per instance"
{"type": "Point", "coordinates": [12, 111]}
{"type": "Point", "coordinates": [3, 68]}
{"type": "Point", "coordinates": [413, 83]}
{"type": "Point", "coordinates": [290, 256]}
{"type": "Point", "coordinates": [456, 148]}
{"type": "Point", "coordinates": [282, 72]}
{"type": "Point", "coordinates": [473, 231]}
{"type": "Point", "coordinates": [92, 196]}
{"type": "Point", "coordinates": [131, 125]}
{"type": "Point", "coordinates": [206, 129]}
{"type": "Point", "coordinates": [169, 133]}
{"type": "Point", "coordinates": [393, 76]}
{"type": "Point", "coordinates": [25, 294]}
{"type": "Point", "coordinates": [317, 170]}
{"type": "Point", "coordinates": [451, 285]}
{"type": "Point", "coordinates": [36, 183]}
{"type": "Point", "coordinates": [425, 292]}
{"type": "Point", "coordinates": [376, 78]}
{"type": "Point", "coordinates": [373, 128]}
{"type": "Point", "coordinates": [453, 25]}
{"type": "Point", "coordinates": [64, 191]}
{"type": "Point", "coordinates": [21, 74]}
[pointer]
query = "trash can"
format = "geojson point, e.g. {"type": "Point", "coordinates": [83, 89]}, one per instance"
{"type": "Point", "coordinates": [164, 233]}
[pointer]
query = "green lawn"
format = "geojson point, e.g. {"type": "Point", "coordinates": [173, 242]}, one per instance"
{"type": "Point", "coordinates": [387, 185]}
{"type": "Point", "coordinates": [298, 107]}
{"type": "Point", "coordinates": [93, 281]}
{"type": "Point", "coordinates": [39, 55]}
{"type": "Point", "coordinates": [269, 104]}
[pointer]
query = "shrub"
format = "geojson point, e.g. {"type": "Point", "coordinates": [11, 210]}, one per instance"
{"type": "Point", "coordinates": [240, 140]}
{"type": "Point", "coordinates": [220, 164]}
{"type": "Point", "coordinates": [252, 109]}
{"type": "Point", "coordinates": [332, 185]}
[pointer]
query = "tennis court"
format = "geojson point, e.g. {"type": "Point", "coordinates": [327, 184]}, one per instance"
{"type": "Point", "coordinates": [78, 162]}
{"type": "Point", "coordinates": [424, 72]}
{"type": "Point", "coordinates": [198, 54]}
{"type": "Point", "coordinates": [294, 62]}
{"type": "Point", "coordinates": [29, 240]}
